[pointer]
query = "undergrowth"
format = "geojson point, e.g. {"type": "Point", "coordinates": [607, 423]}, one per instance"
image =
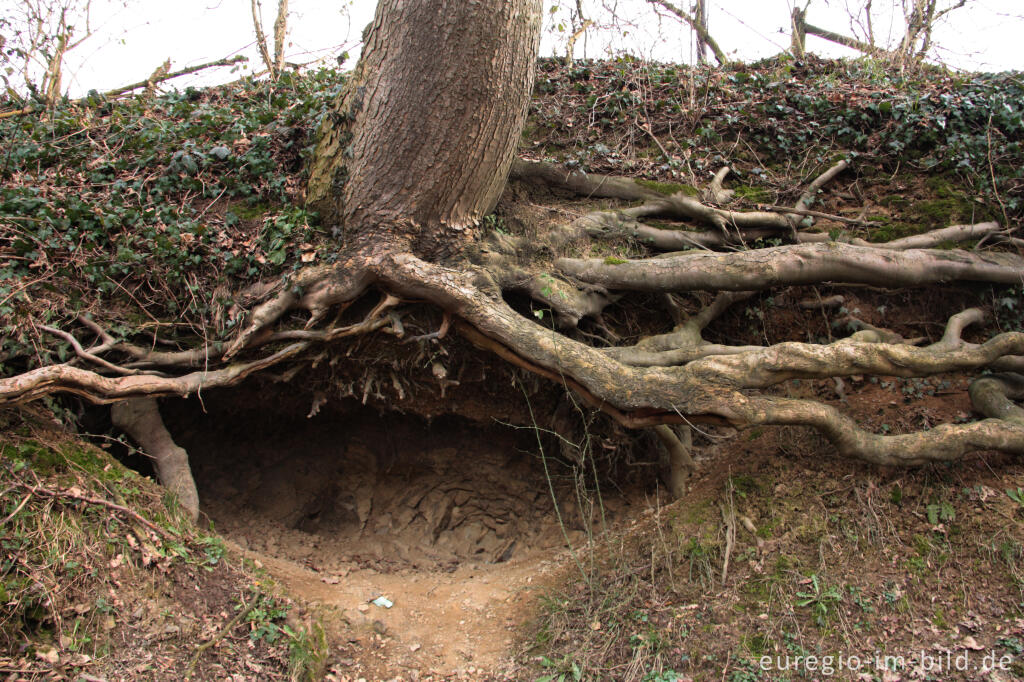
{"type": "Point", "coordinates": [883, 566]}
{"type": "Point", "coordinates": [96, 557]}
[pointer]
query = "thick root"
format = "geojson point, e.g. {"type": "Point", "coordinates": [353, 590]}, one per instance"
{"type": "Point", "coordinates": [797, 264]}
{"type": "Point", "coordinates": [140, 419]}
{"type": "Point", "coordinates": [991, 395]}
{"type": "Point", "coordinates": [944, 443]}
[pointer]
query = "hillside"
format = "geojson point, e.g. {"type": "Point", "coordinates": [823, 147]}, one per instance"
{"type": "Point", "coordinates": [143, 224]}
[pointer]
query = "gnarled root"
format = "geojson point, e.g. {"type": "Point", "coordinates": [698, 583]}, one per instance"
{"type": "Point", "coordinates": [991, 395]}
{"type": "Point", "coordinates": [140, 419]}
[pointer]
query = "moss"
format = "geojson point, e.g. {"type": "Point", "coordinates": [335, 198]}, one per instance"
{"type": "Point", "coordinates": [668, 188]}
{"type": "Point", "coordinates": [745, 484]}
{"type": "Point", "coordinates": [66, 457]}
{"type": "Point", "coordinates": [941, 187]}
{"type": "Point", "coordinates": [756, 644]}
{"type": "Point", "coordinates": [889, 229]}
{"type": "Point", "coordinates": [895, 201]}
{"type": "Point", "coordinates": [757, 195]}
{"type": "Point", "coordinates": [247, 211]}
{"type": "Point", "coordinates": [764, 529]}
{"type": "Point", "coordinates": [944, 211]}
{"type": "Point", "coordinates": [612, 260]}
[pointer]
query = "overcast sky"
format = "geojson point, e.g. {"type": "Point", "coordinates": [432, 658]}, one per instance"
{"type": "Point", "coordinates": [130, 42]}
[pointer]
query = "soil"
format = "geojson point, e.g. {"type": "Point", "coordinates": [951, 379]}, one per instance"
{"type": "Point", "coordinates": [452, 521]}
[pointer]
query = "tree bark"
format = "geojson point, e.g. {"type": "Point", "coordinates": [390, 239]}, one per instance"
{"type": "Point", "coordinates": [420, 144]}
{"type": "Point", "coordinates": [140, 419]}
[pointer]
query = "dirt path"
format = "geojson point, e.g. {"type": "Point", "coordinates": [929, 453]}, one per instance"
{"type": "Point", "coordinates": [441, 625]}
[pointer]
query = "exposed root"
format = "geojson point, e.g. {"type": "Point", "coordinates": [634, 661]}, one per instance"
{"type": "Point", "coordinates": [724, 221]}
{"type": "Point", "coordinates": [798, 264]}
{"type": "Point", "coordinates": [315, 289]}
{"type": "Point", "coordinates": [716, 193]}
{"type": "Point", "coordinates": [991, 395]}
{"type": "Point", "coordinates": [97, 388]}
{"type": "Point", "coordinates": [684, 343]}
{"type": "Point", "coordinates": [671, 378]}
{"type": "Point", "coordinates": [869, 333]}
{"type": "Point", "coordinates": [810, 194]}
{"type": "Point", "coordinates": [819, 303]}
{"type": "Point", "coordinates": [785, 361]}
{"type": "Point", "coordinates": [140, 419]}
{"type": "Point", "coordinates": [86, 355]}
{"type": "Point", "coordinates": [680, 462]}
{"type": "Point", "coordinates": [943, 443]}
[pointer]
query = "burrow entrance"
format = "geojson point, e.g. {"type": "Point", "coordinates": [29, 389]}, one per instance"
{"type": "Point", "coordinates": [352, 486]}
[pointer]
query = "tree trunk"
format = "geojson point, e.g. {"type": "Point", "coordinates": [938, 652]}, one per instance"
{"type": "Point", "coordinates": [700, 14]}
{"type": "Point", "coordinates": [419, 146]}
{"type": "Point", "coordinates": [799, 36]}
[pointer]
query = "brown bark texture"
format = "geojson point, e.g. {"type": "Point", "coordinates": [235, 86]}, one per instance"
{"type": "Point", "coordinates": [427, 128]}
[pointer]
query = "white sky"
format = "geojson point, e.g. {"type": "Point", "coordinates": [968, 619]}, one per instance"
{"type": "Point", "coordinates": [130, 42]}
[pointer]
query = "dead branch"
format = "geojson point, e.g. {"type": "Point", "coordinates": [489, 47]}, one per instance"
{"type": "Point", "coordinates": [151, 81]}
{"type": "Point", "coordinates": [242, 613]}
{"type": "Point", "coordinates": [261, 38]}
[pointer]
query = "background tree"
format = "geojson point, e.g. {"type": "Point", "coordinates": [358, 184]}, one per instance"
{"type": "Point", "coordinates": [273, 61]}
{"type": "Point", "coordinates": [37, 36]}
{"type": "Point", "coordinates": [919, 18]}
{"type": "Point", "coordinates": [697, 20]}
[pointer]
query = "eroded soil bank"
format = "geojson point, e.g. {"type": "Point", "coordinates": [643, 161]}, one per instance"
{"type": "Point", "coordinates": [451, 520]}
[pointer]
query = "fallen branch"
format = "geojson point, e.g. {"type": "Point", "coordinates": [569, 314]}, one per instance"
{"type": "Point", "coordinates": [151, 81]}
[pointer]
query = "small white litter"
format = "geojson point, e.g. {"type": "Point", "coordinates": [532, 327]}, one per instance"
{"type": "Point", "coordinates": [383, 602]}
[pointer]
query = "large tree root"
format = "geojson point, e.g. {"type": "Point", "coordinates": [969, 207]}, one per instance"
{"type": "Point", "coordinates": [797, 264]}
{"type": "Point", "coordinates": [670, 378]}
{"type": "Point", "coordinates": [140, 419]}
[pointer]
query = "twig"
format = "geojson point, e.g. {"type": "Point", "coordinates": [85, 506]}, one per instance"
{"type": "Point", "coordinates": [18, 509]}
{"type": "Point", "coordinates": [650, 133]}
{"type": "Point", "coordinates": [992, 171]}
{"type": "Point", "coordinates": [729, 517]}
{"type": "Point", "coordinates": [223, 633]}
